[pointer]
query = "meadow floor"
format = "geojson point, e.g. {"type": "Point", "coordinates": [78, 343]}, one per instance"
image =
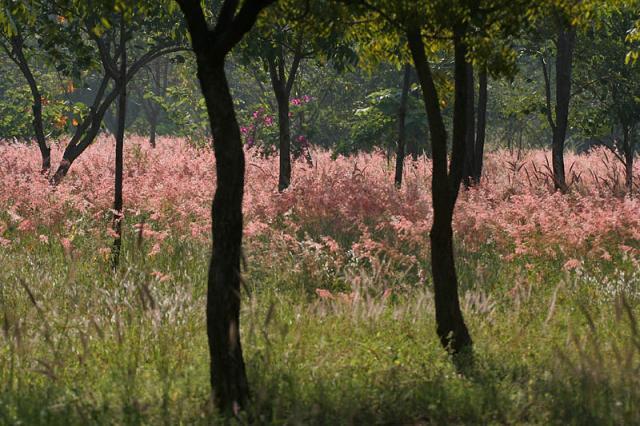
{"type": "Point", "coordinates": [337, 319]}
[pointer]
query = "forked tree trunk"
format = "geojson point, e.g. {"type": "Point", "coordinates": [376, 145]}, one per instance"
{"type": "Point", "coordinates": [228, 376]}
{"type": "Point", "coordinates": [122, 115]}
{"type": "Point", "coordinates": [282, 85]}
{"type": "Point", "coordinates": [88, 130]}
{"type": "Point", "coordinates": [402, 113]}
{"type": "Point", "coordinates": [451, 327]}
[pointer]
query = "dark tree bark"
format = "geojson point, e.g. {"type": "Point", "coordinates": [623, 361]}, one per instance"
{"type": "Point", "coordinates": [402, 113]}
{"type": "Point", "coordinates": [16, 53]}
{"type": "Point", "coordinates": [476, 127]}
{"type": "Point", "coordinates": [451, 327]}
{"type": "Point", "coordinates": [628, 152]}
{"type": "Point", "coordinates": [565, 44]}
{"type": "Point", "coordinates": [282, 85]}
{"type": "Point", "coordinates": [470, 134]}
{"type": "Point", "coordinates": [228, 377]}
{"type": "Point", "coordinates": [121, 85]}
{"type": "Point", "coordinates": [481, 125]}
{"type": "Point", "coordinates": [412, 143]}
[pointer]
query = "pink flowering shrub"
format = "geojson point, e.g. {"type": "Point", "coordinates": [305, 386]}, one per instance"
{"type": "Point", "coordinates": [337, 212]}
{"type": "Point", "coordinates": [261, 131]}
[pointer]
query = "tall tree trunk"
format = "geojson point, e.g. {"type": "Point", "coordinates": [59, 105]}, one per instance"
{"type": "Point", "coordinates": [228, 376]}
{"type": "Point", "coordinates": [564, 65]}
{"type": "Point", "coordinates": [122, 114]}
{"type": "Point", "coordinates": [451, 328]}
{"type": "Point", "coordinates": [412, 148]}
{"type": "Point", "coordinates": [38, 127]}
{"type": "Point", "coordinates": [282, 85]}
{"type": "Point", "coordinates": [402, 113]}
{"type": "Point", "coordinates": [284, 147]}
{"type": "Point", "coordinates": [481, 125]}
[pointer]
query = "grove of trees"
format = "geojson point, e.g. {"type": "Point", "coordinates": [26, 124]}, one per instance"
{"type": "Point", "coordinates": [445, 79]}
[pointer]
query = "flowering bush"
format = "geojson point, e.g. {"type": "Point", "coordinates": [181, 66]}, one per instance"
{"type": "Point", "coordinates": [261, 132]}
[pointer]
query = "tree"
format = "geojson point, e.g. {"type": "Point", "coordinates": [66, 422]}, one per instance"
{"type": "Point", "coordinates": [290, 36]}
{"type": "Point", "coordinates": [157, 74]}
{"type": "Point", "coordinates": [13, 44]}
{"type": "Point", "coordinates": [69, 29]}
{"type": "Point", "coordinates": [211, 46]}
{"type": "Point", "coordinates": [445, 185]}
{"type": "Point", "coordinates": [121, 84]}
{"type": "Point", "coordinates": [565, 45]}
{"type": "Point", "coordinates": [402, 112]}
{"type": "Point", "coordinates": [282, 82]}
{"type": "Point", "coordinates": [19, 23]}
{"type": "Point", "coordinates": [610, 95]}
{"type": "Point", "coordinates": [476, 130]}
{"type": "Point", "coordinates": [448, 25]}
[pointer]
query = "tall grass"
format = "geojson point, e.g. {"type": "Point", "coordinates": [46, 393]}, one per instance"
{"type": "Point", "coordinates": [81, 345]}
{"type": "Point", "coordinates": [337, 320]}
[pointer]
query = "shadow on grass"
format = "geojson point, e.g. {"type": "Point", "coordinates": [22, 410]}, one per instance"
{"type": "Point", "coordinates": [489, 392]}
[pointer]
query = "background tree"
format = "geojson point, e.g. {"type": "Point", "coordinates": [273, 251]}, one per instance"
{"type": "Point", "coordinates": [158, 41]}
{"type": "Point", "coordinates": [20, 22]}
{"type": "Point", "coordinates": [286, 38]}
{"type": "Point", "coordinates": [609, 102]}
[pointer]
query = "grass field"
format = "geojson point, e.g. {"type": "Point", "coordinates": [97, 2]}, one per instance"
{"type": "Point", "coordinates": [337, 319]}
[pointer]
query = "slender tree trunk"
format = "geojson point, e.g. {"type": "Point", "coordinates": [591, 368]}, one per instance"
{"type": "Point", "coordinates": [228, 376]}
{"type": "Point", "coordinates": [153, 123]}
{"type": "Point", "coordinates": [412, 142]}
{"type": "Point", "coordinates": [564, 65]}
{"type": "Point", "coordinates": [402, 112]}
{"type": "Point", "coordinates": [481, 125]}
{"type": "Point", "coordinates": [282, 86]}
{"type": "Point", "coordinates": [470, 133]}
{"type": "Point", "coordinates": [122, 114]}
{"type": "Point", "coordinates": [17, 55]}
{"type": "Point", "coordinates": [628, 160]}
{"type": "Point", "coordinates": [451, 328]}
{"type": "Point", "coordinates": [45, 151]}
{"type": "Point", "coordinates": [284, 147]}
{"type": "Point", "coordinates": [629, 173]}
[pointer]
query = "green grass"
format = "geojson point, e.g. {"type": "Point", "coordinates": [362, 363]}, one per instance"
{"type": "Point", "coordinates": [551, 346]}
